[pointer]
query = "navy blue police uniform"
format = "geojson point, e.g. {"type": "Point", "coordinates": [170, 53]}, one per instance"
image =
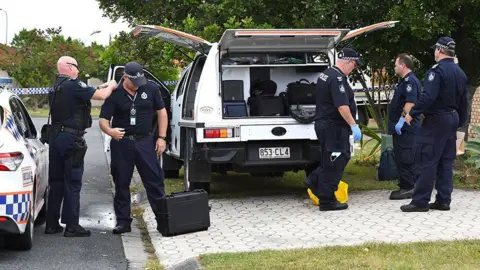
{"type": "Point", "coordinates": [71, 115]}
{"type": "Point", "coordinates": [407, 90]}
{"type": "Point", "coordinates": [444, 106]}
{"type": "Point", "coordinates": [137, 148]}
{"type": "Point", "coordinates": [333, 133]}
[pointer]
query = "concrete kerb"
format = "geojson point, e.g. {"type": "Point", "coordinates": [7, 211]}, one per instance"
{"type": "Point", "coordinates": [133, 247]}
{"type": "Point", "coordinates": [191, 263]}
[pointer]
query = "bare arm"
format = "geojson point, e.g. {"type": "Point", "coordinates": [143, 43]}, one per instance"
{"type": "Point", "coordinates": [105, 90]}
{"type": "Point", "coordinates": [162, 119]}
{"type": "Point", "coordinates": [344, 110]}
{"type": "Point", "coordinates": [408, 106]}
{"type": "Point", "coordinates": [105, 126]}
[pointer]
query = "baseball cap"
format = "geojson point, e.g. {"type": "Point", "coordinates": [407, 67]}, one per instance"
{"type": "Point", "coordinates": [445, 43]}
{"type": "Point", "coordinates": [134, 72]}
{"type": "Point", "coordinates": [350, 54]}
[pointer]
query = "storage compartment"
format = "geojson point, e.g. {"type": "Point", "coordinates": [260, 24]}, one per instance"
{"type": "Point", "coordinates": [270, 83]}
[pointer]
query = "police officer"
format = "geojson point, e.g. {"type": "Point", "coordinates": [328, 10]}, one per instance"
{"type": "Point", "coordinates": [405, 96]}
{"type": "Point", "coordinates": [443, 102]}
{"type": "Point", "coordinates": [132, 107]}
{"type": "Point", "coordinates": [70, 109]}
{"type": "Point", "coordinates": [334, 123]}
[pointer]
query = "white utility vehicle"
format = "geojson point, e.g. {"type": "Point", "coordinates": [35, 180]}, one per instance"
{"type": "Point", "coordinates": [23, 173]}
{"type": "Point", "coordinates": [214, 126]}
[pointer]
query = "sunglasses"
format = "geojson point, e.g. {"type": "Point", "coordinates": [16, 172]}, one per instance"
{"type": "Point", "coordinates": [75, 65]}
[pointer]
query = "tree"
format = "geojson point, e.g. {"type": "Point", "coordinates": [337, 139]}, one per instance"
{"type": "Point", "coordinates": [153, 54]}
{"type": "Point", "coordinates": [33, 56]}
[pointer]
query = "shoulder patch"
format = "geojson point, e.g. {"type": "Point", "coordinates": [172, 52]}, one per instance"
{"type": "Point", "coordinates": [435, 66]}
{"type": "Point", "coordinates": [323, 77]}
{"type": "Point", "coordinates": [409, 88]}
{"type": "Point", "coordinates": [341, 88]}
{"type": "Point", "coordinates": [82, 84]}
{"type": "Point", "coordinates": [431, 76]}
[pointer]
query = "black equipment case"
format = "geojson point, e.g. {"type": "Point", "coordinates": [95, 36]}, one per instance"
{"type": "Point", "coordinates": [183, 212]}
{"type": "Point", "coordinates": [299, 93]}
{"type": "Point", "coordinates": [263, 102]}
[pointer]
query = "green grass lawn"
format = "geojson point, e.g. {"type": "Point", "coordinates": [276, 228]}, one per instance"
{"type": "Point", "coordinates": [423, 255]}
{"type": "Point", "coordinates": [44, 112]}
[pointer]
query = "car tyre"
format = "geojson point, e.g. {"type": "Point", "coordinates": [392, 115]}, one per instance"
{"type": "Point", "coordinates": [23, 241]}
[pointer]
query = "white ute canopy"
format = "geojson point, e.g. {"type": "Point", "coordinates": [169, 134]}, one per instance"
{"type": "Point", "coordinates": [280, 40]}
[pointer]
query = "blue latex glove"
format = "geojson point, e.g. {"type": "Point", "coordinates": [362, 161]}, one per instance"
{"type": "Point", "coordinates": [399, 125]}
{"type": "Point", "coordinates": [357, 134]}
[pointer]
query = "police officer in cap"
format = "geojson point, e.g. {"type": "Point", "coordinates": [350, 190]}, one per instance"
{"type": "Point", "coordinates": [406, 95]}
{"type": "Point", "coordinates": [70, 109]}
{"type": "Point", "coordinates": [443, 102]}
{"type": "Point", "coordinates": [132, 107]}
{"type": "Point", "coordinates": [334, 123]}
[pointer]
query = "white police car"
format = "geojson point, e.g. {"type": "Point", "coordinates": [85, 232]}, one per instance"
{"type": "Point", "coordinates": [23, 173]}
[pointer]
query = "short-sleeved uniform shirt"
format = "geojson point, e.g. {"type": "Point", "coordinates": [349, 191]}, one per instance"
{"type": "Point", "coordinates": [148, 100]}
{"type": "Point", "coordinates": [407, 90]}
{"type": "Point", "coordinates": [75, 91]}
{"type": "Point", "coordinates": [333, 91]}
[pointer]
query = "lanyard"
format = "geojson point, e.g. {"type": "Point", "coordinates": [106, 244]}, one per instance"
{"type": "Point", "coordinates": [133, 111]}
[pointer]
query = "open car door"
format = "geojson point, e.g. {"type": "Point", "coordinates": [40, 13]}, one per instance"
{"type": "Point", "coordinates": [173, 36]}
{"type": "Point", "coordinates": [369, 29]}
{"type": "Point", "coordinates": [280, 40]}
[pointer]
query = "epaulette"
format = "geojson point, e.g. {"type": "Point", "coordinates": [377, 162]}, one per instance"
{"type": "Point", "coordinates": [435, 66]}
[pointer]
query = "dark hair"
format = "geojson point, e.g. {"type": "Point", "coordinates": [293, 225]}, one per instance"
{"type": "Point", "coordinates": [405, 59]}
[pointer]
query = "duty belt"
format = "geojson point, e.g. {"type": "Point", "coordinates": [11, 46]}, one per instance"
{"type": "Point", "coordinates": [440, 113]}
{"type": "Point", "coordinates": [74, 131]}
{"type": "Point", "coordinates": [135, 137]}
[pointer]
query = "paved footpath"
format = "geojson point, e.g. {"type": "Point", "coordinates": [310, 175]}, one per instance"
{"type": "Point", "coordinates": [287, 222]}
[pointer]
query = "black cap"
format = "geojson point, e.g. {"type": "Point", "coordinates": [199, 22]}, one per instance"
{"type": "Point", "coordinates": [445, 43]}
{"type": "Point", "coordinates": [350, 54]}
{"type": "Point", "coordinates": [134, 72]}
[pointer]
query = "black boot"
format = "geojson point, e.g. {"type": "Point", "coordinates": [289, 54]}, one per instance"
{"type": "Point", "coordinates": [401, 194]}
{"type": "Point", "coordinates": [413, 208]}
{"type": "Point", "coordinates": [333, 206]}
{"type": "Point", "coordinates": [439, 206]}
{"type": "Point", "coordinates": [53, 230]}
{"type": "Point", "coordinates": [76, 231]}
{"type": "Point", "coordinates": [122, 228]}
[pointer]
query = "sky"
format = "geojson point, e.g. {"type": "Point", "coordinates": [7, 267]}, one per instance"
{"type": "Point", "coordinates": [78, 19]}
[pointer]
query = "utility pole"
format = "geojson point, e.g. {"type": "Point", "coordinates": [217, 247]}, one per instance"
{"type": "Point", "coordinates": [6, 26]}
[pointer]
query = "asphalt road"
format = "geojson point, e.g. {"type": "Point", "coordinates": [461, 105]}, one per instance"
{"type": "Point", "coordinates": [102, 250]}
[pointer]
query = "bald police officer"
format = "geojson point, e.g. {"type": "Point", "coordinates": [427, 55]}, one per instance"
{"type": "Point", "coordinates": [406, 95]}
{"type": "Point", "coordinates": [443, 102]}
{"type": "Point", "coordinates": [132, 107]}
{"type": "Point", "coordinates": [334, 123]}
{"type": "Point", "coordinates": [70, 109]}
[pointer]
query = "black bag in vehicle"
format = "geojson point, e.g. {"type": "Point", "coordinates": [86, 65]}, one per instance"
{"type": "Point", "coordinates": [183, 212]}
{"type": "Point", "coordinates": [299, 93]}
{"type": "Point", "coordinates": [263, 87]}
{"type": "Point", "coordinates": [387, 170]}
{"type": "Point", "coordinates": [268, 105]}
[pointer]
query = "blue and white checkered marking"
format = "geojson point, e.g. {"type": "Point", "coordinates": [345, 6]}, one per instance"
{"type": "Point", "coordinates": [15, 206]}
{"type": "Point", "coordinates": [10, 125]}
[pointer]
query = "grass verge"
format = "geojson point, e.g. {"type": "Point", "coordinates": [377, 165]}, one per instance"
{"type": "Point", "coordinates": [421, 255]}
{"type": "Point", "coordinates": [153, 263]}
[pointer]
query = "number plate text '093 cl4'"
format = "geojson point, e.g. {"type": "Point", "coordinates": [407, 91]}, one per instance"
{"type": "Point", "coordinates": [274, 152]}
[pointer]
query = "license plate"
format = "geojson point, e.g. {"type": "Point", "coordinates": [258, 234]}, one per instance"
{"type": "Point", "coordinates": [274, 152]}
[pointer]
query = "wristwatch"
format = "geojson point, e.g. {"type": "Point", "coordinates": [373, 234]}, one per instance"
{"type": "Point", "coordinates": [163, 138]}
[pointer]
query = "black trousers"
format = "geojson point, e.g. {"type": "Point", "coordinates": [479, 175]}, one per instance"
{"type": "Point", "coordinates": [404, 156]}
{"type": "Point", "coordinates": [333, 138]}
